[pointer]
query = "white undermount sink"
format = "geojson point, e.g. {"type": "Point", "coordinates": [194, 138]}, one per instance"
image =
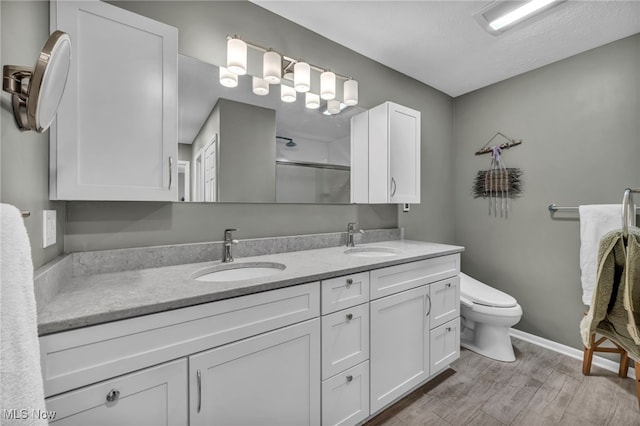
{"type": "Point", "coordinates": [372, 251]}
{"type": "Point", "coordinates": [238, 271]}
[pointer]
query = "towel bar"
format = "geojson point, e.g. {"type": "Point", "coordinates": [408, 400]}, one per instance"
{"type": "Point", "coordinates": [554, 208]}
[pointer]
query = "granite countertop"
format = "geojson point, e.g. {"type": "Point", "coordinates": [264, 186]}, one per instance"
{"type": "Point", "coordinates": [106, 297]}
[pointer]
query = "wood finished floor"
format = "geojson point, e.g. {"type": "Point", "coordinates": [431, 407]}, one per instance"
{"type": "Point", "coordinates": [541, 387]}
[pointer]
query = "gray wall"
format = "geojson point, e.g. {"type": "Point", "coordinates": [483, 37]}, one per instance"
{"type": "Point", "coordinates": [24, 156]}
{"type": "Point", "coordinates": [579, 120]}
{"type": "Point", "coordinates": [247, 155]}
{"type": "Point", "coordinates": [203, 27]}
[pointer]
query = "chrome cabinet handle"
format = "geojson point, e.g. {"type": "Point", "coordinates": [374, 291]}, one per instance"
{"type": "Point", "coordinates": [349, 282]}
{"type": "Point", "coordinates": [199, 376]}
{"type": "Point", "coordinates": [429, 299]}
{"type": "Point", "coordinates": [395, 186]}
{"type": "Point", "coordinates": [349, 317]}
{"type": "Point", "coordinates": [113, 395]}
{"type": "Point", "coordinates": [349, 378]}
{"type": "Point", "coordinates": [170, 171]}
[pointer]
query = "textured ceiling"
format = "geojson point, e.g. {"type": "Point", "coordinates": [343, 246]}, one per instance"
{"type": "Point", "coordinates": [440, 44]}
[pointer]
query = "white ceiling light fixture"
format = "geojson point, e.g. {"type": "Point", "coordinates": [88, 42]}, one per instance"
{"type": "Point", "coordinates": [277, 67]}
{"type": "Point", "coordinates": [287, 93]}
{"type": "Point", "coordinates": [327, 85]}
{"type": "Point", "coordinates": [227, 78]}
{"type": "Point", "coordinates": [333, 106]}
{"type": "Point", "coordinates": [302, 77]}
{"type": "Point", "coordinates": [350, 92]}
{"type": "Point", "coordinates": [260, 86]}
{"type": "Point", "coordinates": [499, 16]}
{"type": "Point", "coordinates": [272, 67]}
{"type": "Point", "coordinates": [312, 100]}
{"type": "Point", "coordinates": [237, 56]}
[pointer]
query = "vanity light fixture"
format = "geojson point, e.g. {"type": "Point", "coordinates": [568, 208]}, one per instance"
{"type": "Point", "coordinates": [499, 16]}
{"type": "Point", "coordinates": [302, 77]}
{"type": "Point", "coordinates": [237, 56]}
{"type": "Point", "coordinates": [277, 67]}
{"type": "Point", "coordinates": [287, 93]}
{"type": "Point", "coordinates": [327, 85]}
{"type": "Point", "coordinates": [333, 106]}
{"type": "Point", "coordinates": [227, 78]}
{"type": "Point", "coordinates": [272, 67]}
{"type": "Point", "coordinates": [312, 100]}
{"type": "Point", "coordinates": [260, 86]}
{"type": "Point", "coordinates": [350, 92]}
{"type": "Point", "coordinates": [37, 92]}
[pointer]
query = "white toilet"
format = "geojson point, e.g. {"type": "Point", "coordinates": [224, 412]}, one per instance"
{"type": "Point", "coordinates": [487, 314]}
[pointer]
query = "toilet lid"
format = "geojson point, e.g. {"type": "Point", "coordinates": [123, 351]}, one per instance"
{"type": "Point", "coordinates": [482, 294]}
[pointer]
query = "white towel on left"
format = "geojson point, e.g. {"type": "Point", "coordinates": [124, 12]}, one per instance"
{"type": "Point", "coordinates": [20, 375]}
{"type": "Point", "coordinates": [595, 221]}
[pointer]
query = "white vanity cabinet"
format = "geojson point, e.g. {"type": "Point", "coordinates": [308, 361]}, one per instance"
{"type": "Point", "coordinates": [399, 345]}
{"type": "Point", "coordinates": [115, 136]}
{"type": "Point", "coordinates": [385, 160]}
{"type": "Point", "coordinates": [270, 379]}
{"type": "Point", "coordinates": [345, 349]}
{"type": "Point", "coordinates": [409, 302]}
{"type": "Point", "coordinates": [154, 396]}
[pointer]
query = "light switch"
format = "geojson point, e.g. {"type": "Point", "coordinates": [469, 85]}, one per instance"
{"type": "Point", "coordinates": [48, 228]}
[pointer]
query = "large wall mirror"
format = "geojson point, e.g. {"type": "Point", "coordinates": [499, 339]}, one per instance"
{"type": "Point", "coordinates": [236, 146]}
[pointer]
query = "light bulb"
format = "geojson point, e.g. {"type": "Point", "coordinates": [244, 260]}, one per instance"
{"type": "Point", "coordinates": [302, 77]}
{"type": "Point", "coordinates": [287, 93]}
{"type": "Point", "coordinates": [351, 92]}
{"type": "Point", "coordinates": [237, 56]}
{"type": "Point", "coordinates": [327, 85]}
{"type": "Point", "coordinates": [311, 100]}
{"type": "Point", "coordinates": [260, 86]}
{"type": "Point", "coordinates": [271, 67]}
{"type": "Point", "coordinates": [227, 78]}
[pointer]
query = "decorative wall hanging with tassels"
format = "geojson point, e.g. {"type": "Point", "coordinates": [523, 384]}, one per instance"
{"type": "Point", "coordinates": [499, 182]}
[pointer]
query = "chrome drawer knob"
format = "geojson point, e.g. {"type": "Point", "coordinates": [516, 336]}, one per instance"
{"type": "Point", "coordinates": [113, 395]}
{"type": "Point", "coordinates": [349, 378]}
{"type": "Point", "coordinates": [349, 317]}
{"type": "Point", "coordinates": [448, 329]}
{"type": "Point", "coordinates": [448, 285]}
{"type": "Point", "coordinates": [349, 282]}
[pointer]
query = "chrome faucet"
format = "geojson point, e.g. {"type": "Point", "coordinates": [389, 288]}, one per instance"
{"type": "Point", "coordinates": [350, 231]}
{"type": "Point", "coordinates": [228, 241]}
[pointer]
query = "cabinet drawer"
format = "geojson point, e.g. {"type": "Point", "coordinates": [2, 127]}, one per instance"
{"type": "Point", "coordinates": [88, 355]}
{"type": "Point", "coordinates": [398, 278]}
{"type": "Point", "coordinates": [345, 339]}
{"type": "Point", "coordinates": [155, 396]}
{"type": "Point", "coordinates": [343, 292]}
{"type": "Point", "coordinates": [445, 345]}
{"type": "Point", "coordinates": [345, 397]}
{"type": "Point", "coordinates": [445, 301]}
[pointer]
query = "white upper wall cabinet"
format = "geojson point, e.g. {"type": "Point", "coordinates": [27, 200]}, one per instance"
{"type": "Point", "coordinates": [385, 155]}
{"type": "Point", "coordinates": [116, 133]}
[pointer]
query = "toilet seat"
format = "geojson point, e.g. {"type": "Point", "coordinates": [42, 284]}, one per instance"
{"type": "Point", "coordinates": [473, 291]}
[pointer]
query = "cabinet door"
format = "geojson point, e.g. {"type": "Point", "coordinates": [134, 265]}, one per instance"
{"type": "Point", "coordinates": [445, 301]}
{"type": "Point", "coordinates": [345, 397]}
{"type": "Point", "coordinates": [270, 379]}
{"type": "Point", "coordinates": [445, 345]}
{"type": "Point", "coordinates": [345, 339]}
{"type": "Point", "coordinates": [399, 345]}
{"type": "Point", "coordinates": [404, 154]}
{"type": "Point", "coordinates": [115, 136]}
{"type": "Point", "coordinates": [154, 396]}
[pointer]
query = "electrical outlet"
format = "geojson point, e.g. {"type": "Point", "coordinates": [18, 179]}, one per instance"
{"type": "Point", "coordinates": [48, 228]}
{"type": "Point", "coordinates": [405, 207]}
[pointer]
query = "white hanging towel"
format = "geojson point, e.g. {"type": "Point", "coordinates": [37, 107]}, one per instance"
{"type": "Point", "coordinates": [20, 375]}
{"type": "Point", "coordinates": [595, 221]}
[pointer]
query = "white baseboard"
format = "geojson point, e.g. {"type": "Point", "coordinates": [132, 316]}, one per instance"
{"type": "Point", "coordinates": [598, 361]}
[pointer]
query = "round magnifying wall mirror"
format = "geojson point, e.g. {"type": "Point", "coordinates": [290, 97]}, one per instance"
{"type": "Point", "coordinates": [37, 91]}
